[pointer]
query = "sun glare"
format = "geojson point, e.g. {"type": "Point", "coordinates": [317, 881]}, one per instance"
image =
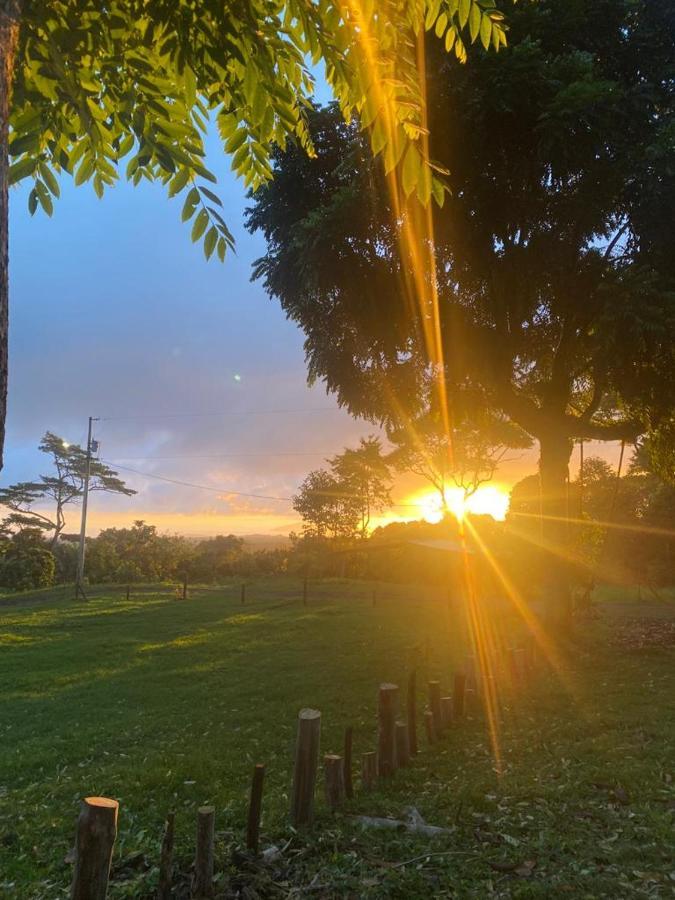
{"type": "Point", "coordinates": [488, 500]}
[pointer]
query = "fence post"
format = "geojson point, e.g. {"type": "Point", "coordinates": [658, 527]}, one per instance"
{"type": "Point", "coordinates": [402, 745]}
{"type": "Point", "coordinates": [203, 880]}
{"type": "Point", "coordinates": [94, 841]}
{"type": "Point", "coordinates": [386, 739]}
{"type": "Point", "coordinates": [243, 593]}
{"type": "Point", "coordinates": [368, 770]}
{"type": "Point", "coordinates": [334, 783]}
{"type": "Point", "coordinates": [446, 711]}
{"type": "Point", "coordinates": [185, 587]}
{"type": "Point", "coordinates": [166, 859]}
{"type": "Point", "coordinates": [429, 725]}
{"type": "Point", "coordinates": [306, 762]}
{"type": "Point", "coordinates": [127, 593]}
{"type": "Point", "coordinates": [458, 695]}
{"type": "Point", "coordinates": [254, 808]}
{"type": "Point", "coordinates": [349, 786]}
{"type": "Point", "coordinates": [412, 712]}
{"type": "Point", "coordinates": [435, 705]}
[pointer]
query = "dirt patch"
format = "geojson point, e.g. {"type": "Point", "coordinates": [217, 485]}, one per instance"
{"type": "Point", "coordinates": [642, 633]}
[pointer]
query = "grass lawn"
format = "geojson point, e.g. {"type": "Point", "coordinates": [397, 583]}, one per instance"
{"type": "Point", "coordinates": [164, 704]}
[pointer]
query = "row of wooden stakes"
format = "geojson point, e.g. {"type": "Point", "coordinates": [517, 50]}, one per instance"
{"type": "Point", "coordinates": [396, 745]}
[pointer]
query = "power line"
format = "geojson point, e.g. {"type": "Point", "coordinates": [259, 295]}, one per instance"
{"type": "Point", "coordinates": [227, 455]}
{"type": "Point", "coordinates": [203, 487]}
{"type": "Point", "coordinates": [206, 487]}
{"type": "Point", "coordinates": [227, 413]}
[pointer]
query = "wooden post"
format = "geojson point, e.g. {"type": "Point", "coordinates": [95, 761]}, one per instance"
{"type": "Point", "coordinates": [386, 739]}
{"type": "Point", "coordinates": [334, 782]}
{"type": "Point", "coordinates": [429, 725]}
{"type": "Point", "coordinates": [306, 763]}
{"type": "Point", "coordinates": [471, 671]}
{"type": "Point", "coordinates": [94, 841]}
{"type": "Point", "coordinates": [458, 695]}
{"type": "Point", "coordinates": [127, 593]}
{"type": "Point", "coordinates": [446, 711]}
{"type": "Point", "coordinates": [185, 585]}
{"type": "Point", "coordinates": [203, 878]}
{"type": "Point", "coordinates": [164, 889]}
{"type": "Point", "coordinates": [368, 770]}
{"type": "Point", "coordinates": [349, 786]}
{"type": "Point", "coordinates": [304, 591]}
{"type": "Point", "coordinates": [243, 593]}
{"type": "Point", "coordinates": [402, 745]}
{"type": "Point", "coordinates": [412, 712]}
{"type": "Point", "coordinates": [255, 808]}
{"type": "Point", "coordinates": [435, 705]}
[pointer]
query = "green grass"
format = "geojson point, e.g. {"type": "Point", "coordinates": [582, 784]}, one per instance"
{"type": "Point", "coordinates": [167, 705]}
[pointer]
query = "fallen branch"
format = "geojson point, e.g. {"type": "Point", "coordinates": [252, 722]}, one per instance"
{"type": "Point", "coordinates": [412, 824]}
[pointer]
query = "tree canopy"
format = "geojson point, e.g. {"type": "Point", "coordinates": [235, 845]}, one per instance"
{"type": "Point", "coordinates": [553, 282]}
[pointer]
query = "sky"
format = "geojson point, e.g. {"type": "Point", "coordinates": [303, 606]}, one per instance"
{"type": "Point", "coordinates": [193, 372]}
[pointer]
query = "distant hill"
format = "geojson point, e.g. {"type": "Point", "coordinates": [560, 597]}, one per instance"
{"type": "Point", "coordinates": [265, 541]}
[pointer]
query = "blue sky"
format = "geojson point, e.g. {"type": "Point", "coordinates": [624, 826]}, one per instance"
{"type": "Point", "coordinates": [116, 314]}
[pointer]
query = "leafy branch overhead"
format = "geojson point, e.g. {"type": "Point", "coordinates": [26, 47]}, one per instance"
{"type": "Point", "coordinates": [128, 88]}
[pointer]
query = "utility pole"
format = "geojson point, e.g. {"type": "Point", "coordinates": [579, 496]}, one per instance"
{"type": "Point", "coordinates": [79, 589]}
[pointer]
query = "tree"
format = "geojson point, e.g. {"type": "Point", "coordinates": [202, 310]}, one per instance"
{"type": "Point", "coordinates": [84, 85]}
{"type": "Point", "coordinates": [325, 508]}
{"type": "Point", "coordinates": [64, 487]}
{"type": "Point", "coordinates": [364, 479]}
{"type": "Point", "coordinates": [25, 562]}
{"type": "Point", "coordinates": [340, 502]}
{"type": "Point", "coordinates": [137, 554]}
{"type": "Point", "coordinates": [547, 283]}
{"type": "Point", "coordinates": [216, 558]}
{"type": "Point", "coordinates": [468, 456]}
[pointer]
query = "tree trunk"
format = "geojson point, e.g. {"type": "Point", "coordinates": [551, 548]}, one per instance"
{"type": "Point", "coordinates": [554, 456]}
{"type": "Point", "coordinates": [10, 11]}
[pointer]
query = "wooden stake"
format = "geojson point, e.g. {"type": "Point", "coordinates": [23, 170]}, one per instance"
{"type": "Point", "coordinates": [429, 726]}
{"type": "Point", "coordinates": [334, 782]}
{"type": "Point", "coordinates": [368, 770]}
{"type": "Point", "coordinates": [166, 860]}
{"type": "Point", "coordinates": [446, 712]}
{"type": "Point", "coordinates": [402, 744]}
{"type": "Point", "coordinates": [386, 739]}
{"type": "Point", "coordinates": [255, 808]}
{"type": "Point", "coordinates": [94, 841]}
{"type": "Point", "coordinates": [185, 585]}
{"type": "Point", "coordinates": [412, 712]}
{"type": "Point", "coordinates": [243, 594]}
{"type": "Point", "coordinates": [202, 886]}
{"type": "Point", "coordinates": [306, 763]}
{"type": "Point", "coordinates": [458, 696]}
{"type": "Point", "coordinates": [127, 593]}
{"type": "Point", "coordinates": [349, 786]}
{"type": "Point", "coordinates": [435, 705]}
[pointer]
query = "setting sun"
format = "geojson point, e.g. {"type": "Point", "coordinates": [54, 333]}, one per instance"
{"type": "Point", "coordinates": [489, 500]}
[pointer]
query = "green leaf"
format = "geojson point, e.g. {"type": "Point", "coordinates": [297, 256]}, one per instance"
{"type": "Point", "coordinates": [221, 249]}
{"type": "Point", "coordinates": [200, 224]}
{"type": "Point", "coordinates": [464, 10]}
{"type": "Point", "coordinates": [474, 21]}
{"type": "Point", "coordinates": [190, 204]}
{"type": "Point", "coordinates": [485, 32]}
{"type": "Point", "coordinates": [32, 202]}
{"type": "Point", "coordinates": [179, 181]}
{"type": "Point", "coordinates": [21, 169]}
{"type": "Point", "coordinates": [441, 24]}
{"type": "Point", "coordinates": [49, 179]}
{"type": "Point", "coordinates": [210, 241]}
{"type": "Point", "coordinates": [44, 197]}
{"type": "Point", "coordinates": [85, 169]}
{"type": "Point", "coordinates": [214, 198]}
